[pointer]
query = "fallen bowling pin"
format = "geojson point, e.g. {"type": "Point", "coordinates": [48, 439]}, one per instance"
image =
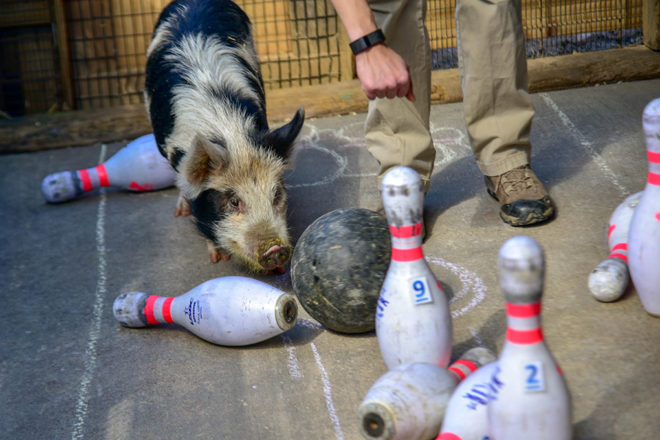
{"type": "Point", "coordinates": [466, 417]}
{"type": "Point", "coordinates": [138, 166]}
{"type": "Point", "coordinates": [413, 323]}
{"type": "Point", "coordinates": [644, 235]}
{"type": "Point", "coordinates": [608, 280]}
{"type": "Point", "coordinates": [408, 402]}
{"type": "Point", "coordinates": [533, 401]}
{"type": "Point", "coordinates": [228, 311]}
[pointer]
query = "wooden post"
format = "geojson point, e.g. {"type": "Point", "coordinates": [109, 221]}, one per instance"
{"type": "Point", "coordinates": [346, 59]}
{"type": "Point", "coordinates": [651, 24]}
{"type": "Point", "coordinates": [66, 80]}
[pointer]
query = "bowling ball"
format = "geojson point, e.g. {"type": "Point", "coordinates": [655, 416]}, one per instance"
{"type": "Point", "coordinates": [339, 266]}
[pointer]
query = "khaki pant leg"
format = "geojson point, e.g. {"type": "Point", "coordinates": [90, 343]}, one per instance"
{"type": "Point", "coordinates": [397, 130]}
{"type": "Point", "coordinates": [493, 66]}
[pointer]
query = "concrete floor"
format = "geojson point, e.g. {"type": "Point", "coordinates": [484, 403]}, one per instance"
{"type": "Point", "coordinates": [68, 370]}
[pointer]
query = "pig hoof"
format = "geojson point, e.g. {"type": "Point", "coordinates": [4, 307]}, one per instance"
{"type": "Point", "coordinates": [215, 255]}
{"type": "Point", "coordinates": [274, 259]}
{"type": "Point", "coordinates": [182, 207]}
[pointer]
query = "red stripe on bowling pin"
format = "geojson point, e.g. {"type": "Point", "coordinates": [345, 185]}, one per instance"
{"type": "Point", "coordinates": [167, 312]}
{"type": "Point", "coordinates": [609, 231]}
{"type": "Point", "coordinates": [653, 178]}
{"type": "Point", "coordinates": [524, 337]}
{"type": "Point", "coordinates": [85, 180]}
{"type": "Point", "coordinates": [524, 311]}
{"type": "Point", "coordinates": [153, 303]}
{"type": "Point", "coordinates": [448, 436]}
{"type": "Point", "coordinates": [103, 175]}
{"type": "Point", "coordinates": [654, 157]}
{"type": "Point", "coordinates": [413, 254]}
{"type": "Point", "coordinates": [149, 309]}
{"type": "Point", "coordinates": [619, 247]}
{"type": "Point", "coordinates": [469, 365]}
{"type": "Point", "coordinates": [407, 231]}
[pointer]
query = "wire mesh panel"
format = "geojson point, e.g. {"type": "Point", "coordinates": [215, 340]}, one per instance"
{"type": "Point", "coordinates": [552, 27]}
{"type": "Point", "coordinates": [29, 81]}
{"type": "Point", "coordinates": [297, 41]}
{"type": "Point", "coordinates": [108, 41]}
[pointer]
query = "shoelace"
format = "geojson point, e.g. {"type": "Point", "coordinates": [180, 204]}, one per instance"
{"type": "Point", "coordinates": [516, 180]}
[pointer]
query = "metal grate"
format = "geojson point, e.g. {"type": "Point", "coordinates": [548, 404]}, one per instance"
{"type": "Point", "coordinates": [101, 61]}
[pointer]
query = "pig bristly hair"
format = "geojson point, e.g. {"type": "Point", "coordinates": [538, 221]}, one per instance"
{"type": "Point", "coordinates": [205, 97]}
{"type": "Point", "coordinates": [209, 78]}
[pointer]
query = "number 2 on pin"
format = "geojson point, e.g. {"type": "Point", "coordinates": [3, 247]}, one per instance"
{"type": "Point", "coordinates": [421, 291]}
{"type": "Point", "coordinates": [534, 379]}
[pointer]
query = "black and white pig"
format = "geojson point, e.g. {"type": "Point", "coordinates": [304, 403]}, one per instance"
{"type": "Point", "coordinates": [205, 97]}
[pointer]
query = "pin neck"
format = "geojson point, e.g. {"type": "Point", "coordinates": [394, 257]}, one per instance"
{"type": "Point", "coordinates": [654, 168]}
{"type": "Point", "coordinates": [461, 369]}
{"type": "Point", "coordinates": [407, 242]}
{"type": "Point", "coordinates": [157, 309]}
{"type": "Point", "coordinates": [95, 177]}
{"type": "Point", "coordinates": [524, 323]}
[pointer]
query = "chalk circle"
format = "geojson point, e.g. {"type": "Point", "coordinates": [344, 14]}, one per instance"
{"type": "Point", "coordinates": [307, 159]}
{"type": "Point", "coordinates": [471, 292]}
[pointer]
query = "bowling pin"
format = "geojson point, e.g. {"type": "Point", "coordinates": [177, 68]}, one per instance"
{"type": "Point", "coordinates": [533, 401]}
{"type": "Point", "coordinates": [608, 280]}
{"type": "Point", "coordinates": [413, 323]}
{"type": "Point", "coordinates": [466, 417]}
{"type": "Point", "coordinates": [138, 166]}
{"type": "Point", "coordinates": [228, 311]}
{"type": "Point", "coordinates": [408, 402]}
{"type": "Point", "coordinates": [644, 235]}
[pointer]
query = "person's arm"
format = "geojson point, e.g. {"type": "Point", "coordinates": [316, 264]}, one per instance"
{"type": "Point", "coordinates": [382, 72]}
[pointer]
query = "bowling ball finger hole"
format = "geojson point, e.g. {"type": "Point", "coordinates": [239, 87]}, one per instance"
{"type": "Point", "coordinates": [373, 424]}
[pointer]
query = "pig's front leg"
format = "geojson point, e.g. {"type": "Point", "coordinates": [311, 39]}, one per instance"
{"type": "Point", "coordinates": [215, 254]}
{"type": "Point", "coordinates": [182, 207]}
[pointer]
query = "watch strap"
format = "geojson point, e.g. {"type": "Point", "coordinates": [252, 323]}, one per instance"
{"type": "Point", "coordinates": [367, 41]}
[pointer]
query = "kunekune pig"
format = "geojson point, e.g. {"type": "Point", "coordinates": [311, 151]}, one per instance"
{"type": "Point", "coordinates": [205, 97]}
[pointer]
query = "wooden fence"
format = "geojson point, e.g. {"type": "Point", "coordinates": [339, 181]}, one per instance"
{"type": "Point", "coordinates": [83, 54]}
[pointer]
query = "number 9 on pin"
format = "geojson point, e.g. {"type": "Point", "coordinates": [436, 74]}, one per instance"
{"type": "Point", "coordinates": [421, 291]}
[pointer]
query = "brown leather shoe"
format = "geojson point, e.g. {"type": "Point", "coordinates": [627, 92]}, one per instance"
{"type": "Point", "coordinates": [523, 198]}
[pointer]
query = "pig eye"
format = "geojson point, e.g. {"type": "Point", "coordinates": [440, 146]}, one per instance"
{"type": "Point", "coordinates": [235, 202]}
{"type": "Point", "coordinates": [232, 202]}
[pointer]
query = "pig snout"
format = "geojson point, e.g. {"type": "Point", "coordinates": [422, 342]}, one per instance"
{"type": "Point", "coordinates": [273, 256]}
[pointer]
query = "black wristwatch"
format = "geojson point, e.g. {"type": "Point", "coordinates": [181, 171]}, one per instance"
{"type": "Point", "coordinates": [367, 41]}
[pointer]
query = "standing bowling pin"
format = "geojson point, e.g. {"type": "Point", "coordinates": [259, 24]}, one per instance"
{"type": "Point", "coordinates": [408, 402]}
{"type": "Point", "coordinates": [533, 401]}
{"type": "Point", "coordinates": [608, 280]}
{"type": "Point", "coordinates": [644, 235]}
{"type": "Point", "coordinates": [413, 323]}
{"type": "Point", "coordinates": [225, 311]}
{"type": "Point", "coordinates": [138, 166]}
{"type": "Point", "coordinates": [466, 416]}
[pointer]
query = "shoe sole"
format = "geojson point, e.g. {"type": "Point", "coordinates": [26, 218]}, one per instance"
{"type": "Point", "coordinates": [531, 218]}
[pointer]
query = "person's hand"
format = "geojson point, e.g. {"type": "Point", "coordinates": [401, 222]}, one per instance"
{"type": "Point", "coordinates": [383, 73]}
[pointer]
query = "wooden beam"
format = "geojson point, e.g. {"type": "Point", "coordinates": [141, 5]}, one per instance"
{"type": "Point", "coordinates": [37, 132]}
{"type": "Point", "coordinates": [651, 23]}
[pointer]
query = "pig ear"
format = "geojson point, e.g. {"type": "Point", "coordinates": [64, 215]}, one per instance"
{"type": "Point", "coordinates": [206, 158]}
{"type": "Point", "coordinates": [281, 139]}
